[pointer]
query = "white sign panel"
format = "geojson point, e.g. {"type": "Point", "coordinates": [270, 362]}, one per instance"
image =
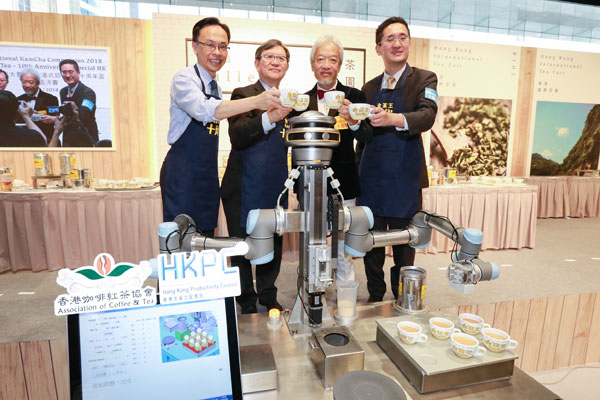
{"type": "Point", "coordinates": [93, 66]}
{"type": "Point", "coordinates": [197, 275]}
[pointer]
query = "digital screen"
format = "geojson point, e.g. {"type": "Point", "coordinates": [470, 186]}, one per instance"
{"type": "Point", "coordinates": [175, 351]}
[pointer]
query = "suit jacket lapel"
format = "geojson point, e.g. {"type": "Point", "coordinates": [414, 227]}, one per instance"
{"type": "Point", "coordinates": [313, 102]}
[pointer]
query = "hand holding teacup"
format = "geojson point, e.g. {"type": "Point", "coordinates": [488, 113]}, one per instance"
{"type": "Point", "coordinates": [268, 99]}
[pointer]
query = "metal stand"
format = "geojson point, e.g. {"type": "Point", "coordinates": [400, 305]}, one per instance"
{"type": "Point", "coordinates": [298, 323]}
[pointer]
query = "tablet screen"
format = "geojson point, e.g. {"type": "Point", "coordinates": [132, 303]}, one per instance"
{"type": "Point", "coordinates": [179, 351]}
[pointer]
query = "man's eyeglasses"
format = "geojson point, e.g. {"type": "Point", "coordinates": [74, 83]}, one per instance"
{"type": "Point", "coordinates": [391, 39]}
{"type": "Point", "coordinates": [273, 57]}
{"type": "Point", "coordinates": [213, 46]}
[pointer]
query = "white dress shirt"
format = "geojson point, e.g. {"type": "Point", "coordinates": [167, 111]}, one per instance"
{"type": "Point", "coordinates": [188, 101]}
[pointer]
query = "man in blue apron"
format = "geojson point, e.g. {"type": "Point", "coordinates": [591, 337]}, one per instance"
{"type": "Point", "coordinates": [256, 171]}
{"type": "Point", "coordinates": [392, 169]}
{"type": "Point", "coordinates": [189, 175]}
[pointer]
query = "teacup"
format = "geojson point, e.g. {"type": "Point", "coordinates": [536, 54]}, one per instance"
{"type": "Point", "coordinates": [334, 99]}
{"type": "Point", "coordinates": [497, 340]}
{"type": "Point", "coordinates": [411, 333]}
{"type": "Point", "coordinates": [466, 346]}
{"type": "Point", "coordinates": [302, 102]}
{"type": "Point", "coordinates": [359, 111]}
{"type": "Point", "coordinates": [471, 323]}
{"type": "Point", "coordinates": [288, 97]}
{"type": "Point", "coordinates": [442, 328]}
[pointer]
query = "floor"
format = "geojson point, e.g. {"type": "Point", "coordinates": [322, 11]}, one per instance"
{"type": "Point", "coordinates": [565, 260]}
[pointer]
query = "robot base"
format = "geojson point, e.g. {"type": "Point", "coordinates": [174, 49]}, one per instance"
{"type": "Point", "coordinates": [297, 320]}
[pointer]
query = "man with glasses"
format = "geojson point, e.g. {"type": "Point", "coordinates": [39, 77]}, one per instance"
{"type": "Point", "coordinates": [326, 58]}
{"type": "Point", "coordinates": [393, 169]}
{"type": "Point", "coordinates": [189, 175]}
{"type": "Point", "coordinates": [256, 171]}
{"type": "Point", "coordinates": [3, 79]}
{"type": "Point", "coordinates": [83, 96]}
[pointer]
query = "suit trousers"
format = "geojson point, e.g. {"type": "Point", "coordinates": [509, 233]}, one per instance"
{"type": "Point", "coordinates": [404, 255]}
{"type": "Point", "coordinates": [266, 274]}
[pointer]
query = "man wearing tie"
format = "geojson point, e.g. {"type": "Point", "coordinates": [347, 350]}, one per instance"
{"type": "Point", "coordinates": [392, 169]}
{"type": "Point", "coordinates": [78, 93]}
{"type": "Point", "coordinates": [326, 58]}
{"type": "Point", "coordinates": [37, 99]}
{"type": "Point", "coordinates": [189, 178]}
{"type": "Point", "coordinates": [256, 172]}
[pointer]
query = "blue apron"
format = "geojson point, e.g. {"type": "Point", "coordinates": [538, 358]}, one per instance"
{"type": "Point", "coordinates": [189, 177]}
{"type": "Point", "coordinates": [264, 171]}
{"type": "Point", "coordinates": [389, 168]}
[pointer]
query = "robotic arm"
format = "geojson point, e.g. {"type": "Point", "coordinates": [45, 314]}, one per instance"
{"type": "Point", "coordinates": [464, 272]}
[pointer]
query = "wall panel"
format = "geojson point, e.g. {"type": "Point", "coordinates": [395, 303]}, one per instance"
{"type": "Point", "coordinates": [126, 40]}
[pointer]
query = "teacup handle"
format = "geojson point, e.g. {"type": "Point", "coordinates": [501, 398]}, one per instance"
{"type": "Point", "coordinates": [455, 330]}
{"type": "Point", "coordinates": [480, 351]}
{"type": "Point", "coordinates": [512, 344]}
{"type": "Point", "coordinates": [485, 325]}
{"type": "Point", "coordinates": [422, 338]}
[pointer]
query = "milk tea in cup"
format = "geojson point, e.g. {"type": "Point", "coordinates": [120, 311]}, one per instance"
{"type": "Point", "coordinates": [359, 111]}
{"type": "Point", "coordinates": [466, 346]}
{"type": "Point", "coordinates": [471, 323]}
{"type": "Point", "coordinates": [410, 332]}
{"type": "Point", "coordinates": [334, 99]}
{"type": "Point", "coordinates": [301, 102]}
{"type": "Point", "coordinates": [288, 97]}
{"type": "Point", "coordinates": [497, 340]}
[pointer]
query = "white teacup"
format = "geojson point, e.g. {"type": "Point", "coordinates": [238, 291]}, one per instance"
{"type": "Point", "coordinates": [442, 328]}
{"type": "Point", "coordinates": [302, 102]}
{"type": "Point", "coordinates": [359, 111]}
{"type": "Point", "coordinates": [334, 99]}
{"type": "Point", "coordinates": [288, 97]}
{"type": "Point", "coordinates": [466, 346]}
{"type": "Point", "coordinates": [471, 323]}
{"type": "Point", "coordinates": [411, 333]}
{"type": "Point", "coordinates": [497, 340]}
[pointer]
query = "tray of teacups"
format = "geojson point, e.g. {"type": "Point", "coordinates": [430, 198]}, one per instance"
{"type": "Point", "coordinates": [438, 351]}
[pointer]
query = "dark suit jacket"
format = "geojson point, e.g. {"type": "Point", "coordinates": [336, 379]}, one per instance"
{"type": "Point", "coordinates": [245, 130]}
{"type": "Point", "coordinates": [43, 100]}
{"type": "Point", "coordinates": [419, 111]}
{"type": "Point", "coordinates": [343, 161]}
{"type": "Point", "coordinates": [16, 136]}
{"type": "Point", "coordinates": [86, 115]}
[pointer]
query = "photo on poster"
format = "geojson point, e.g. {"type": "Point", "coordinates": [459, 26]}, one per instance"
{"type": "Point", "coordinates": [566, 138]}
{"type": "Point", "coordinates": [72, 83]}
{"type": "Point", "coordinates": [189, 336]}
{"type": "Point", "coordinates": [471, 134]}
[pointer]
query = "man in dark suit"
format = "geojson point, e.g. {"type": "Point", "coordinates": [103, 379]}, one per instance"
{"type": "Point", "coordinates": [16, 136]}
{"type": "Point", "coordinates": [78, 93]}
{"type": "Point", "coordinates": [256, 172]}
{"type": "Point", "coordinates": [393, 169]}
{"type": "Point", "coordinates": [37, 99]}
{"type": "Point", "coordinates": [326, 58]}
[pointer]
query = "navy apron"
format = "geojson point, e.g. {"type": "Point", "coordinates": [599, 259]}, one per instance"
{"type": "Point", "coordinates": [189, 177]}
{"type": "Point", "coordinates": [264, 172]}
{"type": "Point", "coordinates": [389, 168]}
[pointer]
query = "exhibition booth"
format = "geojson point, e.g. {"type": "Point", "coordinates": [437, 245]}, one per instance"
{"type": "Point", "coordinates": [484, 194]}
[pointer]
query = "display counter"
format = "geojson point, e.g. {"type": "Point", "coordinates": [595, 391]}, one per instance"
{"type": "Point", "coordinates": [53, 229]}
{"type": "Point", "coordinates": [298, 378]}
{"type": "Point", "coordinates": [567, 196]}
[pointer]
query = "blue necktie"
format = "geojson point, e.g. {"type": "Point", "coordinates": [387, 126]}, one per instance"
{"type": "Point", "coordinates": [213, 88]}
